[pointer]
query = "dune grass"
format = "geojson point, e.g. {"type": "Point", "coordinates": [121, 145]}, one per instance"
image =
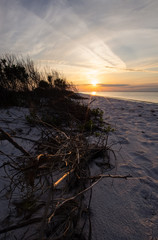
{"type": "Point", "coordinates": [52, 181]}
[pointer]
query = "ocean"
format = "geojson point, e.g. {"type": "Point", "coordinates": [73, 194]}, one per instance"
{"type": "Point", "coordinates": [133, 96]}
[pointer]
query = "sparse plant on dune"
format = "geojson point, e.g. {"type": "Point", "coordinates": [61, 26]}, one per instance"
{"type": "Point", "coordinates": [43, 84]}
{"type": "Point", "coordinates": [47, 186]}
{"type": "Point", "coordinates": [61, 84]}
{"type": "Point", "coordinates": [21, 81]}
{"type": "Point", "coordinates": [17, 74]}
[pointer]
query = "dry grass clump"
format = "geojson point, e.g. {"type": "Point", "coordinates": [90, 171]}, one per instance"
{"type": "Point", "coordinates": [17, 73]}
{"type": "Point", "coordinates": [21, 82]}
{"type": "Point", "coordinates": [48, 190]}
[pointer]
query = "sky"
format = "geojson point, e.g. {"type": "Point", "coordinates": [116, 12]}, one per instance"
{"type": "Point", "coordinates": [100, 45]}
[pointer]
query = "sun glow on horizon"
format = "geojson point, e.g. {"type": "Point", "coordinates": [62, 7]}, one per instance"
{"type": "Point", "coordinates": [94, 82]}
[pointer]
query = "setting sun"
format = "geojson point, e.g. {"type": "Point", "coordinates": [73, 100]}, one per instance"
{"type": "Point", "coordinates": [94, 82]}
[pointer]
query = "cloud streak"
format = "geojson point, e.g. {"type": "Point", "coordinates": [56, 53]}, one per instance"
{"type": "Point", "coordinates": [132, 69]}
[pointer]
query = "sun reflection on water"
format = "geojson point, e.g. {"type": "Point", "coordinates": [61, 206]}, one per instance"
{"type": "Point", "coordinates": [93, 93]}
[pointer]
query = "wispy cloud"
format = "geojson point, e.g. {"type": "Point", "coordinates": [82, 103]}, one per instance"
{"type": "Point", "coordinates": [54, 35]}
{"type": "Point", "coordinates": [147, 70]}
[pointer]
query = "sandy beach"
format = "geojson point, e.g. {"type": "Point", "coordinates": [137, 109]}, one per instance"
{"type": "Point", "coordinates": [121, 209]}
{"type": "Point", "coordinates": [78, 120]}
{"type": "Point", "coordinates": [128, 209]}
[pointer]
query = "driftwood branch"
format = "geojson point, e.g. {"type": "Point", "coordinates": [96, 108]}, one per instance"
{"type": "Point", "coordinates": [20, 225]}
{"type": "Point", "coordinates": [110, 176]}
{"type": "Point", "coordinates": [8, 137]}
{"type": "Point", "coordinates": [63, 177]}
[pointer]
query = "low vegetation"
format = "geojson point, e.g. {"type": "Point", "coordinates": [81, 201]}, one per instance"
{"type": "Point", "coordinates": [51, 182]}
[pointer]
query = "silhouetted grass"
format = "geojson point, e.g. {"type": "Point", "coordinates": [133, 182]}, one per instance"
{"type": "Point", "coordinates": [52, 180]}
{"type": "Point", "coordinates": [21, 84]}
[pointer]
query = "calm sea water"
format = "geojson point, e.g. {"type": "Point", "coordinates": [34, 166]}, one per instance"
{"type": "Point", "coordinates": [134, 96]}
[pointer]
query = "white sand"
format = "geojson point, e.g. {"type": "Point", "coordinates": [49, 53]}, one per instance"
{"type": "Point", "coordinates": [128, 209]}
{"type": "Point", "coordinates": [121, 209]}
{"type": "Point", "coordinates": [13, 121]}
